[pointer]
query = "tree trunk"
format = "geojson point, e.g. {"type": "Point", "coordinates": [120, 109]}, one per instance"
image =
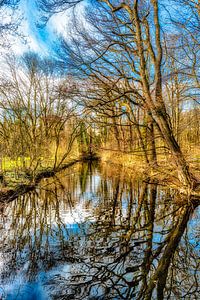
{"type": "Point", "coordinates": [184, 174]}
{"type": "Point", "coordinates": [157, 106]}
{"type": "Point", "coordinates": [151, 142]}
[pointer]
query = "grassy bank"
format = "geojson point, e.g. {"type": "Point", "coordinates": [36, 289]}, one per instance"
{"type": "Point", "coordinates": [165, 172]}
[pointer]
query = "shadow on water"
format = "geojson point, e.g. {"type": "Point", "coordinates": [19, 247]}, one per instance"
{"type": "Point", "coordinates": [93, 233]}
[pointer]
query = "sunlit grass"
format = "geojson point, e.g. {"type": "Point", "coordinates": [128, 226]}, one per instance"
{"type": "Point", "coordinates": [8, 164]}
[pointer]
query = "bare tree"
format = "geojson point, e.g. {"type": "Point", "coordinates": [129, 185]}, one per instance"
{"type": "Point", "coordinates": [37, 121]}
{"type": "Point", "coordinates": [123, 42]}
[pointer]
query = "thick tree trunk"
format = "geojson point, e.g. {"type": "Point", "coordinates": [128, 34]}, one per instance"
{"type": "Point", "coordinates": [184, 174]}
{"type": "Point", "coordinates": [151, 142]}
{"type": "Point", "coordinates": [157, 106]}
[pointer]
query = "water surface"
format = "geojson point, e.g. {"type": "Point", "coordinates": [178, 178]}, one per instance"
{"type": "Point", "coordinates": [93, 232]}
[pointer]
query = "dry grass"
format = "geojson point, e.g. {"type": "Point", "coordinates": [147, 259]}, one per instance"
{"type": "Point", "coordinates": [123, 159]}
{"type": "Point", "coordinates": [165, 173]}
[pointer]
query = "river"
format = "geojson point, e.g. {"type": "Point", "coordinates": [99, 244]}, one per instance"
{"type": "Point", "coordinates": [94, 232]}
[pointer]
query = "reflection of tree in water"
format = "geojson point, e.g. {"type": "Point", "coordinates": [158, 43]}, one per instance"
{"type": "Point", "coordinates": [137, 247]}
{"type": "Point", "coordinates": [132, 250]}
{"type": "Point", "coordinates": [36, 235]}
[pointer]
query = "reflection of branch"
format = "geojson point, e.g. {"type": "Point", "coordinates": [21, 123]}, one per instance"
{"type": "Point", "coordinates": [160, 275]}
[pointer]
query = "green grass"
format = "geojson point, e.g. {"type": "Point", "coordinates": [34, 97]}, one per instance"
{"type": "Point", "coordinates": [8, 164]}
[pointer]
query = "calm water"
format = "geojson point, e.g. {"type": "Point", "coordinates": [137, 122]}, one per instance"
{"type": "Point", "coordinates": [94, 233]}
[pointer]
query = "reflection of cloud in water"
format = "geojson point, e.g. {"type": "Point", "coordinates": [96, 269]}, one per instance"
{"type": "Point", "coordinates": [96, 234]}
{"type": "Point", "coordinates": [77, 215]}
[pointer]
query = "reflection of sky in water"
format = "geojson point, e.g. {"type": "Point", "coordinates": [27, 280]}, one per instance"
{"type": "Point", "coordinates": [27, 291]}
{"type": "Point", "coordinates": [194, 229]}
{"type": "Point", "coordinates": [76, 222]}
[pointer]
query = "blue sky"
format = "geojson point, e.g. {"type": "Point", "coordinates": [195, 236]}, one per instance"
{"type": "Point", "coordinates": [44, 39]}
{"type": "Point", "coordinates": [39, 39]}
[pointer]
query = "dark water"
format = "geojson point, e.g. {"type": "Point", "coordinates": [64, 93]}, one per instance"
{"type": "Point", "coordinates": [94, 233]}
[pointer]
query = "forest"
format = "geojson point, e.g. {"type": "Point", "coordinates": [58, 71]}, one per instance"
{"type": "Point", "coordinates": [107, 126]}
{"type": "Point", "coordinates": [123, 85]}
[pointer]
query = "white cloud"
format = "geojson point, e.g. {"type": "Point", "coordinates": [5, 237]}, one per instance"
{"type": "Point", "coordinates": [41, 40]}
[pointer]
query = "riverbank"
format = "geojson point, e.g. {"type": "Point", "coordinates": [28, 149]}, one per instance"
{"type": "Point", "coordinates": [165, 173]}
{"type": "Point", "coordinates": [11, 194]}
